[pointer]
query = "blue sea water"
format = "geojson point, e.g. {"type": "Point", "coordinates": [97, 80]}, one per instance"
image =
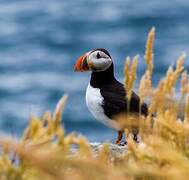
{"type": "Point", "coordinates": [40, 41]}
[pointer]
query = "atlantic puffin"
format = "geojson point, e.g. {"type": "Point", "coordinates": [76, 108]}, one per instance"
{"type": "Point", "coordinates": [106, 96]}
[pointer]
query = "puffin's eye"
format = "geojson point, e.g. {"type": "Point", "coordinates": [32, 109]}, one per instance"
{"type": "Point", "coordinates": [98, 55]}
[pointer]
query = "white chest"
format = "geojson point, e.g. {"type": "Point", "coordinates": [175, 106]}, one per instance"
{"type": "Point", "coordinates": [94, 101]}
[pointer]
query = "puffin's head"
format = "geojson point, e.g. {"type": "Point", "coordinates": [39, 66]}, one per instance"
{"type": "Point", "coordinates": [96, 60]}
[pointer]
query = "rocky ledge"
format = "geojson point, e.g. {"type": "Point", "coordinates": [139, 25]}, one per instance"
{"type": "Point", "coordinates": [114, 149]}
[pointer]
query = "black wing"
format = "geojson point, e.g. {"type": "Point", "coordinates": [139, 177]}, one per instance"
{"type": "Point", "coordinates": [115, 101]}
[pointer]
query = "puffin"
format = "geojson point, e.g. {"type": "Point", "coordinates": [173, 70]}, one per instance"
{"type": "Point", "coordinates": [106, 97]}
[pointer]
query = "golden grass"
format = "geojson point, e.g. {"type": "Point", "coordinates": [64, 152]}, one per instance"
{"type": "Point", "coordinates": [44, 151]}
{"type": "Point", "coordinates": [149, 50]}
{"type": "Point", "coordinates": [130, 77]}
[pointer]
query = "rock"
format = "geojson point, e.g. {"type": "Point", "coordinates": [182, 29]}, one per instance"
{"type": "Point", "coordinates": [114, 149]}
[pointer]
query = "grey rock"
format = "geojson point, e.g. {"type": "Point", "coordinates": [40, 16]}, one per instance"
{"type": "Point", "coordinates": [114, 149]}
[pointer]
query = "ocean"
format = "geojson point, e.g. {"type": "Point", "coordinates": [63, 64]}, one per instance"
{"type": "Point", "coordinates": [40, 41]}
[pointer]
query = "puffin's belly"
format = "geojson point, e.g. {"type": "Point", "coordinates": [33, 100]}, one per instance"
{"type": "Point", "coordinates": [94, 101]}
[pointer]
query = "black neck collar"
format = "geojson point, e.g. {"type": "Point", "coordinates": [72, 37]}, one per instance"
{"type": "Point", "coordinates": [98, 79]}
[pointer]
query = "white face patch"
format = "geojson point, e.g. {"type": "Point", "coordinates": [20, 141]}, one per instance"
{"type": "Point", "coordinates": [94, 102]}
{"type": "Point", "coordinates": [99, 61]}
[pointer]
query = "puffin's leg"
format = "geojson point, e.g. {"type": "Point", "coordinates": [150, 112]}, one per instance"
{"type": "Point", "coordinates": [135, 138]}
{"type": "Point", "coordinates": [119, 137]}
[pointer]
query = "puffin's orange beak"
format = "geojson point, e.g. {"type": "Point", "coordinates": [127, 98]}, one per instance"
{"type": "Point", "coordinates": [81, 63]}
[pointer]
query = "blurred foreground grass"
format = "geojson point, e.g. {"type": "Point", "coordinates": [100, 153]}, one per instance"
{"type": "Point", "coordinates": [44, 151]}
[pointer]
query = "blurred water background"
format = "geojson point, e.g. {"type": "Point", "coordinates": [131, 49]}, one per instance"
{"type": "Point", "coordinates": [41, 39]}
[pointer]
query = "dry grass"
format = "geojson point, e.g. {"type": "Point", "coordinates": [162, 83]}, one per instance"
{"type": "Point", "coordinates": [163, 153]}
{"type": "Point", "coordinates": [130, 75]}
